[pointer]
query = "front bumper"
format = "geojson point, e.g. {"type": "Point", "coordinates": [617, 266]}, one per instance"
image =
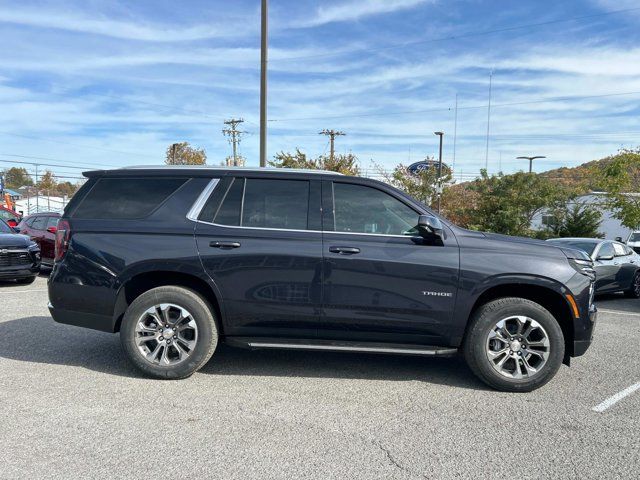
{"type": "Point", "coordinates": [582, 345]}
{"type": "Point", "coordinates": [11, 273]}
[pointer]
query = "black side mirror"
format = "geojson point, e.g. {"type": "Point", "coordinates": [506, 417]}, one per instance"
{"type": "Point", "coordinates": [430, 227]}
{"type": "Point", "coordinates": [619, 239]}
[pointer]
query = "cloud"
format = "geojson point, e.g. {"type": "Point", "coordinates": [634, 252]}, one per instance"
{"type": "Point", "coordinates": [101, 25]}
{"type": "Point", "coordinates": [357, 9]}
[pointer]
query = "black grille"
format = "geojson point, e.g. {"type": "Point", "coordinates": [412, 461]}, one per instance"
{"type": "Point", "coordinates": [11, 259]}
{"type": "Point", "coordinates": [636, 249]}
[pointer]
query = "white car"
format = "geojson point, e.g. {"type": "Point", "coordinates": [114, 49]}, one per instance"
{"type": "Point", "coordinates": [634, 241]}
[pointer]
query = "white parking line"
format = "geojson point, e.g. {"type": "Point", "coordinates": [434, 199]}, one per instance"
{"type": "Point", "coordinates": [24, 291]}
{"type": "Point", "coordinates": [611, 401]}
{"type": "Point", "coordinates": [619, 312]}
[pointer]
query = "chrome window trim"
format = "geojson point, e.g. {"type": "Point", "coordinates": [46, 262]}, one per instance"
{"type": "Point", "coordinates": [199, 204]}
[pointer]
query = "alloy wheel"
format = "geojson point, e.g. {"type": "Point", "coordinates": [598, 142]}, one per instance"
{"type": "Point", "coordinates": [166, 334]}
{"type": "Point", "coordinates": [517, 347]}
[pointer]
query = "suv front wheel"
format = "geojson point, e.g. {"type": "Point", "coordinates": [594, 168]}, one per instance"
{"type": "Point", "coordinates": [169, 332]}
{"type": "Point", "coordinates": [514, 344]}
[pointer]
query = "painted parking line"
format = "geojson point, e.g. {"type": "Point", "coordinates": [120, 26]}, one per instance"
{"type": "Point", "coordinates": [24, 291]}
{"type": "Point", "coordinates": [619, 312]}
{"type": "Point", "coordinates": [611, 401]}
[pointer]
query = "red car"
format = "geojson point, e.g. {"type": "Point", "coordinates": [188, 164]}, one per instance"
{"type": "Point", "coordinates": [41, 228]}
{"type": "Point", "coordinates": [12, 218]}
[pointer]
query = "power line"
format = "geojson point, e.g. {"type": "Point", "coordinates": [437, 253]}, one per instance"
{"type": "Point", "coordinates": [448, 109]}
{"type": "Point", "coordinates": [89, 165]}
{"type": "Point", "coordinates": [457, 37]}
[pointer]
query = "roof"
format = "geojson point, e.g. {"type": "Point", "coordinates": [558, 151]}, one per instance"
{"type": "Point", "coordinates": [206, 169]}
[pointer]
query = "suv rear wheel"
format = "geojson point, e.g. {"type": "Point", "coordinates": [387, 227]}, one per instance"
{"type": "Point", "coordinates": [169, 332]}
{"type": "Point", "coordinates": [514, 344]}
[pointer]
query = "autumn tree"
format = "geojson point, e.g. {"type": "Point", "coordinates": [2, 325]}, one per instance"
{"type": "Point", "coordinates": [16, 177]}
{"type": "Point", "coordinates": [66, 189]}
{"type": "Point", "coordinates": [421, 185]}
{"type": "Point", "coordinates": [184, 154]}
{"type": "Point", "coordinates": [508, 203]}
{"type": "Point", "coordinates": [619, 178]}
{"type": "Point", "coordinates": [47, 182]}
{"type": "Point", "coordinates": [345, 164]}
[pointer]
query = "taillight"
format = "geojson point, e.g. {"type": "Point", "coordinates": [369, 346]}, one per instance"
{"type": "Point", "coordinates": [63, 234]}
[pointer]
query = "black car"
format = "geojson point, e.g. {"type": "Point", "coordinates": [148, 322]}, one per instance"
{"type": "Point", "coordinates": [617, 266]}
{"type": "Point", "coordinates": [19, 256]}
{"type": "Point", "coordinates": [180, 259]}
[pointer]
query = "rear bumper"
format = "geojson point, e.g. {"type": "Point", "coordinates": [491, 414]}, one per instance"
{"type": "Point", "coordinates": [103, 323]}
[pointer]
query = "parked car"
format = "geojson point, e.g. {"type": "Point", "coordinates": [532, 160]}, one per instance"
{"type": "Point", "coordinates": [633, 241]}
{"type": "Point", "coordinates": [19, 256]}
{"type": "Point", "coordinates": [42, 227]}
{"type": "Point", "coordinates": [178, 259]}
{"type": "Point", "coordinates": [617, 266]}
{"type": "Point", "coordinates": [12, 218]}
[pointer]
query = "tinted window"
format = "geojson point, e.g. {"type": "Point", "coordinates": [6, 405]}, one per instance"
{"type": "Point", "coordinates": [362, 209]}
{"type": "Point", "coordinates": [275, 204]}
{"type": "Point", "coordinates": [229, 212]}
{"type": "Point", "coordinates": [122, 198]}
{"type": "Point", "coordinates": [39, 223]}
{"type": "Point", "coordinates": [4, 228]}
{"type": "Point", "coordinates": [606, 250]}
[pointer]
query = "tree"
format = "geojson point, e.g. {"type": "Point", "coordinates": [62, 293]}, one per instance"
{"type": "Point", "coordinates": [345, 164]}
{"type": "Point", "coordinates": [577, 220]}
{"type": "Point", "coordinates": [507, 203]}
{"type": "Point", "coordinates": [47, 182]}
{"type": "Point", "coordinates": [16, 177]}
{"type": "Point", "coordinates": [618, 179]}
{"type": "Point", "coordinates": [184, 154]}
{"type": "Point", "coordinates": [66, 189]}
{"type": "Point", "coordinates": [421, 185]}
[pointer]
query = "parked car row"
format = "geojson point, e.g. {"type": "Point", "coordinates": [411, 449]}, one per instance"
{"type": "Point", "coordinates": [41, 228]}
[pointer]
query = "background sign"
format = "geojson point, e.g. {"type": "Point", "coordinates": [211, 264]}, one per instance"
{"type": "Point", "coordinates": [422, 165]}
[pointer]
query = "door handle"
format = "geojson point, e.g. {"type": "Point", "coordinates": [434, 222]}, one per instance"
{"type": "Point", "coordinates": [224, 244]}
{"type": "Point", "coordinates": [344, 250]}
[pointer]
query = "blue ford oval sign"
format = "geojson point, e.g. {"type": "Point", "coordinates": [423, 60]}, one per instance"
{"type": "Point", "coordinates": [422, 165]}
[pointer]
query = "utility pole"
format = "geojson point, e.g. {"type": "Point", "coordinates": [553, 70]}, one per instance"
{"type": "Point", "coordinates": [173, 153]}
{"type": "Point", "coordinates": [531, 159]}
{"type": "Point", "coordinates": [332, 134]}
{"type": "Point", "coordinates": [455, 134]}
{"type": "Point", "coordinates": [486, 155]}
{"type": "Point", "coordinates": [37, 192]}
{"type": "Point", "coordinates": [234, 136]}
{"type": "Point", "coordinates": [263, 84]}
{"type": "Point", "coordinates": [440, 134]}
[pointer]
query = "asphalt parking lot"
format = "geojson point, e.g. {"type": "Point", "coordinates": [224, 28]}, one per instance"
{"type": "Point", "coordinates": [74, 408]}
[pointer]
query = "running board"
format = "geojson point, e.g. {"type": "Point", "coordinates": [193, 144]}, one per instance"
{"type": "Point", "coordinates": [341, 346]}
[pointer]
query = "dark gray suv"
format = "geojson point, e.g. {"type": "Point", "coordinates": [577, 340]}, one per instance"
{"type": "Point", "coordinates": [180, 259]}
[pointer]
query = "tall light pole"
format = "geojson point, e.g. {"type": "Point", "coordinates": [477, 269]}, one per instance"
{"type": "Point", "coordinates": [263, 85]}
{"type": "Point", "coordinates": [440, 134]}
{"type": "Point", "coordinates": [531, 159]}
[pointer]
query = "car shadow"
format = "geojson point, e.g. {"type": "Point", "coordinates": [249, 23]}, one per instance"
{"type": "Point", "coordinates": [41, 340]}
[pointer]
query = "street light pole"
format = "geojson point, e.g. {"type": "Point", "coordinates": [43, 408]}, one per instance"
{"type": "Point", "coordinates": [440, 134]}
{"type": "Point", "coordinates": [263, 84]}
{"type": "Point", "coordinates": [531, 159]}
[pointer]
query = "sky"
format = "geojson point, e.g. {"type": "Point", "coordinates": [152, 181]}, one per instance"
{"type": "Point", "coordinates": [102, 84]}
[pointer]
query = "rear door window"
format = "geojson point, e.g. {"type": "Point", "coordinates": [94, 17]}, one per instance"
{"type": "Point", "coordinates": [52, 221]}
{"type": "Point", "coordinates": [265, 203]}
{"type": "Point", "coordinates": [126, 198]}
{"type": "Point", "coordinates": [607, 250]}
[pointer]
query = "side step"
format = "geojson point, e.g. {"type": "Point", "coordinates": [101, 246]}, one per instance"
{"type": "Point", "coordinates": [340, 346]}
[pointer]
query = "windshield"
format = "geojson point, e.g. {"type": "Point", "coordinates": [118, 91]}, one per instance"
{"type": "Point", "coordinates": [635, 237]}
{"type": "Point", "coordinates": [588, 247]}
{"type": "Point", "coordinates": [4, 228]}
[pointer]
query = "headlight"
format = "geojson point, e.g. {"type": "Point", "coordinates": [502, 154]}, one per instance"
{"type": "Point", "coordinates": [585, 267]}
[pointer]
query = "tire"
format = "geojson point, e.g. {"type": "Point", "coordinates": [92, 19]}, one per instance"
{"type": "Point", "coordinates": [25, 281]}
{"type": "Point", "coordinates": [194, 339]}
{"type": "Point", "coordinates": [634, 290]}
{"type": "Point", "coordinates": [478, 346]}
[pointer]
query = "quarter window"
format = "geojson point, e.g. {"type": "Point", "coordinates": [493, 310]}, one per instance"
{"type": "Point", "coordinates": [265, 203]}
{"type": "Point", "coordinates": [362, 209]}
